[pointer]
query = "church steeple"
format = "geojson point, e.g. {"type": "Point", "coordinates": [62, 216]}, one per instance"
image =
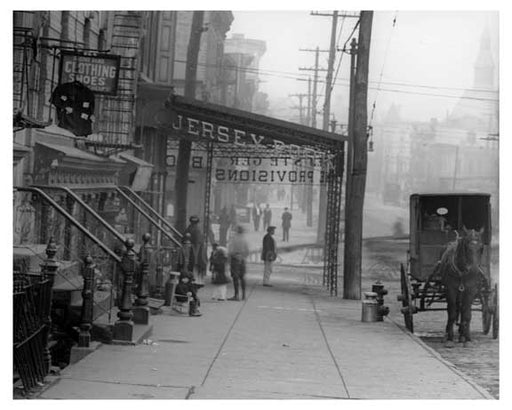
{"type": "Point", "coordinates": [484, 64]}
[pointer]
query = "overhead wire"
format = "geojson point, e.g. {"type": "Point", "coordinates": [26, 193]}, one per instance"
{"type": "Point", "coordinates": [382, 70]}
{"type": "Point", "coordinates": [343, 50]}
{"type": "Point", "coordinates": [303, 77]}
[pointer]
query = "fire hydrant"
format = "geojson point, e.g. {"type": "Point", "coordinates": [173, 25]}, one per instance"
{"type": "Point", "coordinates": [382, 310]}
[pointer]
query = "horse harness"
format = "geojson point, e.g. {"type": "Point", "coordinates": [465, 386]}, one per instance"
{"type": "Point", "coordinates": [461, 273]}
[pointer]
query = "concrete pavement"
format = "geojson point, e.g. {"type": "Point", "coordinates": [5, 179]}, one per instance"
{"type": "Point", "coordinates": [290, 341]}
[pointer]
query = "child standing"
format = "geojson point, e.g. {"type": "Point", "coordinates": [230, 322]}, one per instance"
{"type": "Point", "coordinates": [218, 259]}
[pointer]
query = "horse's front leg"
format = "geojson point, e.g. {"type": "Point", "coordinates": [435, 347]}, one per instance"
{"type": "Point", "coordinates": [451, 309]}
{"type": "Point", "coordinates": [467, 301]}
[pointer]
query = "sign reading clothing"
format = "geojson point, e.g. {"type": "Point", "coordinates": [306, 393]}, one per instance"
{"type": "Point", "coordinates": [100, 73]}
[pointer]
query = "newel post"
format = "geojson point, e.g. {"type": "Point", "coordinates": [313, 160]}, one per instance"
{"type": "Point", "coordinates": [141, 311]}
{"type": "Point", "coordinates": [123, 328]}
{"type": "Point", "coordinates": [84, 337]}
{"type": "Point", "coordinates": [49, 269]}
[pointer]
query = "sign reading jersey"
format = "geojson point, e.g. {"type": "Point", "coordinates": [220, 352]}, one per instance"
{"type": "Point", "coordinates": [100, 72]}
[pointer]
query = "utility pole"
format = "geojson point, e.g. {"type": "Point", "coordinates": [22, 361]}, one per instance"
{"type": "Point", "coordinates": [308, 123]}
{"type": "Point", "coordinates": [300, 107]}
{"type": "Point", "coordinates": [357, 162]}
{"type": "Point", "coordinates": [309, 189]}
{"type": "Point", "coordinates": [185, 146]}
{"type": "Point", "coordinates": [322, 198]}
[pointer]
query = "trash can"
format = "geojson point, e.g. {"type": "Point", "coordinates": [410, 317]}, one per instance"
{"type": "Point", "coordinates": [370, 307]}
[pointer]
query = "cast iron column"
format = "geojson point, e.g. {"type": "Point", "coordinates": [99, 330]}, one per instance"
{"type": "Point", "coordinates": [123, 328]}
{"type": "Point", "coordinates": [84, 337]}
{"type": "Point", "coordinates": [141, 311]}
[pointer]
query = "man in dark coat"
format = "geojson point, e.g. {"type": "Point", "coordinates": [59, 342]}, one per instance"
{"type": "Point", "coordinates": [268, 254]}
{"type": "Point", "coordinates": [286, 224]}
{"type": "Point", "coordinates": [256, 216]}
{"type": "Point", "coordinates": [224, 224]}
{"type": "Point", "coordinates": [185, 263]}
{"type": "Point", "coordinates": [198, 249]}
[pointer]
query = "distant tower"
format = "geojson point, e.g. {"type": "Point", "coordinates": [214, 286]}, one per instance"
{"type": "Point", "coordinates": [477, 110]}
{"type": "Point", "coordinates": [484, 68]}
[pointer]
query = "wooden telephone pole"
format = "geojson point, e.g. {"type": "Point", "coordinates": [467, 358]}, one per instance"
{"type": "Point", "coordinates": [185, 146]}
{"type": "Point", "coordinates": [357, 162]}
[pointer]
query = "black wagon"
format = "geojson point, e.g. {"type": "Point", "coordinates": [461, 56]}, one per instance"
{"type": "Point", "coordinates": [435, 221]}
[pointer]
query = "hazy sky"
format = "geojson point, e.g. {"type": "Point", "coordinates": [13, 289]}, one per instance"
{"type": "Point", "coordinates": [424, 48]}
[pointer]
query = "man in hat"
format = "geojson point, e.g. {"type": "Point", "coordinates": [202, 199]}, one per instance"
{"type": "Point", "coordinates": [198, 249]}
{"type": "Point", "coordinates": [268, 254]}
{"type": "Point", "coordinates": [287, 223]}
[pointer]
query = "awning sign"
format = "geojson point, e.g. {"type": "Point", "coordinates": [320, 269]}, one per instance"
{"type": "Point", "coordinates": [100, 72]}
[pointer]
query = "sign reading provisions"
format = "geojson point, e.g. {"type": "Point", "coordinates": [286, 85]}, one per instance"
{"type": "Point", "coordinates": [100, 72]}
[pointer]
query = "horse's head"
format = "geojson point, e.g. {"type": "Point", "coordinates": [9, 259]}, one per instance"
{"type": "Point", "coordinates": [472, 247]}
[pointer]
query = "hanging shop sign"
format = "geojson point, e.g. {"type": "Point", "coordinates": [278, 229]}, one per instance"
{"type": "Point", "coordinates": [99, 72]}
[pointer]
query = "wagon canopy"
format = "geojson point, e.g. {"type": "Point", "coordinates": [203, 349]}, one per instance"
{"type": "Point", "coordinates": [434, 222]}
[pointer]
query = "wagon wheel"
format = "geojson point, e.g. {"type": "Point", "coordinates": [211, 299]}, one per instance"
{"type": "Point", "coordinates": [485, 300]}
{"type": "Point", "coordinates": [496, 312]}
{"type": "Point", "coordinates": [406, 299]}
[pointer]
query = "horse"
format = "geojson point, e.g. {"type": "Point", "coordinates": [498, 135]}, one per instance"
{"type": "Point", "coordinates": [461, 275]}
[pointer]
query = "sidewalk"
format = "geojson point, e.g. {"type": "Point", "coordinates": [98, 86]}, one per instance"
{"type": "Point", "coordinates": [290, 341]}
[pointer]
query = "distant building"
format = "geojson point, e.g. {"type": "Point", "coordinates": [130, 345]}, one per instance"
{"type": "Point", "coordinates": [459, 153]}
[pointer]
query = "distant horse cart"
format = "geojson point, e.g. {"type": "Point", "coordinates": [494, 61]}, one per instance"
{"type": "Point", "coordinates": [448, 262]}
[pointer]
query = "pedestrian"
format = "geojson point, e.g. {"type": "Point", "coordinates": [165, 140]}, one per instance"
{"type": "Point", "coordinates": [218, 259]}
{"type": "Point", "coordinates": [198, 249]}
{"type": "Point", "coordinates": [185, 289]}
{"type": "Point", "coordinates": [185, 263]}
{"type": "Point", "coordinates": [267, 217]}
{"type": "Point", "coordinates": [286, 224]}
{"type": "Point", "coordinates": [233, 218]}
{"type": "Point", "coordinates": [268, 254]}
{"type": "Point", "coordinates": [211, 234]}
{"type": "Point", "coordinates": [256, 216]}
{"type": "Point", "coordinates": [238, 252]}
{"type": "Point", "coordinates": [224, 224]}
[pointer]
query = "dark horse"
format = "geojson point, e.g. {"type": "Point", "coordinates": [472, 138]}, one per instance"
{"type": "Point", "coordinates": [461, 275]}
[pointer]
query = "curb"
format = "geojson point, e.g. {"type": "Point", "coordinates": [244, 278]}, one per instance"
{"type": "Point", "coordinates": [483, 392]}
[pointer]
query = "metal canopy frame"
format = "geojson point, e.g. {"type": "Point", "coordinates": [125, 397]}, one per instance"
{"type": "Point", "coordinates": [328, 146]}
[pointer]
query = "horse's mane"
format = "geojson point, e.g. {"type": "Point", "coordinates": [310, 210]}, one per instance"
{"type": "Point", "coordinates": [457, 253]}
{"type": "Point", "coordinates": [462, 251]}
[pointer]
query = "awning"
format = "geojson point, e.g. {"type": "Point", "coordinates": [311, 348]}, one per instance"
{"type": "Point", "coordinates": [77, 159]}
{"type": "Point", "coordinates": [142, 172]}
{"type": "Point", "coordinates": [202, 121]}
{"type": "Point", "coordinates": [19, 151]}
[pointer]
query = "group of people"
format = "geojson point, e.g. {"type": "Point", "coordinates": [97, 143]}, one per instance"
{"type": "Point", "coordinates": [258, 212]}
{"type": "Point", "coordinates": [192, 264]}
